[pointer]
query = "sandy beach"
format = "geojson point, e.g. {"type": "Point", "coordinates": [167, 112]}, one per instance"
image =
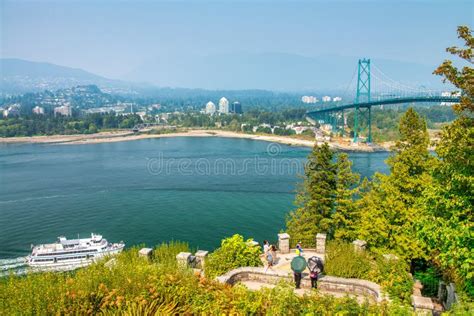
{"type": "Point", "coordinates": [120, 136]}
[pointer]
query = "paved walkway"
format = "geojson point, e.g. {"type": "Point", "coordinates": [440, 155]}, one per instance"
{"type": "Point", "coordinates": [255, 286]}
{"type": "Point", "coordinates": [283, 262]}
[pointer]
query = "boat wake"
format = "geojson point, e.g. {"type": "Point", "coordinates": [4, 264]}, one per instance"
{"type": "Point", "coordinates": [15, 266]}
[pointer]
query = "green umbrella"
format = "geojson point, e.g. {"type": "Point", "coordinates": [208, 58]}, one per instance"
{"type": "Point", "coordinates": [298, 264]}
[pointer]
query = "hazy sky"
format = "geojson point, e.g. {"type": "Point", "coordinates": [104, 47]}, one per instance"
{"type": "Point", "coordinates": [111, 38]}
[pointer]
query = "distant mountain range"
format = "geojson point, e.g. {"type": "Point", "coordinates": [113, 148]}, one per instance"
{"type": "Point", "coordinates": [11, 67]}
{"type": "Point", "coordinates": [272, 71]}
{"type": "Point", "coordinates": [20, 76]}
{"type": "Point", "coordinates": [237, 71]}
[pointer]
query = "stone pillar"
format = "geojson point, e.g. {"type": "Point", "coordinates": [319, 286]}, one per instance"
{"type": "Point", "coordinates": [253, 243]}
{"type": "Point", "coordinates": [417, 287]}
{"type": "Point", "coordinates": [284, 243]}
{"type": "Point", "coordinates": [145, 252]}
{"type": "Point", "coordinates": [359, 245]}
{"type": "Point", "coordinates": [321, 243]}
{"type": "Point", "coordinates": [183, 258]}
{"type": "Point", "coordinates": [451, 296]}
{"type": "Point", "coordinates": [201, 257]}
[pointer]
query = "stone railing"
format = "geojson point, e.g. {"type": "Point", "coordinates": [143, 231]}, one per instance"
{"type": "Point", "coordinates": [328, 284]}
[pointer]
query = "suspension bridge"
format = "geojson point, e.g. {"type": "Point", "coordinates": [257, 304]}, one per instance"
{"type": "Point", "coordinates": [388, 92]}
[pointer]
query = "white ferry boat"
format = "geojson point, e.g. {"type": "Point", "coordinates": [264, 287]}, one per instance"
{"type": "Point", "coordinates": [71, 254]}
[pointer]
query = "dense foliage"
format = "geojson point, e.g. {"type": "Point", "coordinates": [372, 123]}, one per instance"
{"type": "Point", "coordinates": [137, 286]}
{"type": "Point", "coordinates": [385, 121]}
{"type": "Point", "coordinates": [447, 227]}
{"type": "Point", "coordinates": [324, 199]}
{"type": "Point", "coordinates": [387, 211]}
{"type": "Point", "coordinates": [234, 252]}
{"type": "Point", "coordinates": [392, 274]}
{"type": "Point", "coordinates": [50, 125]}
{"type": "Point", "coordinates": [423, 209]}
{"type": "Point", "coordinates": [315, 197]}
{"type": "Point", "coordinates": [252, 117]}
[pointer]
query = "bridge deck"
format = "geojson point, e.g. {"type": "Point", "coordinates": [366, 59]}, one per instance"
{"type": "Point", "coordinates": [451, 99]}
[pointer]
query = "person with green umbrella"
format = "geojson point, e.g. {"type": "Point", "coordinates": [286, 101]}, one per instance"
{"type": "Point", "coordinates": [298, 264]}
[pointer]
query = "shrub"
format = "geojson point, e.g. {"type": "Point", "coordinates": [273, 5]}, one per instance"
{"type": "Point", "coordinates": [343, 261]}
{"type": "Point", "coordinates": [392, 275]}
{"type": "Point", "coordinates": [137, 286]}
{"type": "Point", "coordinates": [233, 253]}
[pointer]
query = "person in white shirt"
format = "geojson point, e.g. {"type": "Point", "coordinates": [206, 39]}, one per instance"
{"type": "Point", "coordinates": [266, 247]}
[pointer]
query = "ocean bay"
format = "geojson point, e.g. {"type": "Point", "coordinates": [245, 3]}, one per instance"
{"type": "Point", "coordinates": [198, 190]}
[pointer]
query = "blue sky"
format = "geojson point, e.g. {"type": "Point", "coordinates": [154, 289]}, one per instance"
{"type": "Point", "coordinates": [112, 38]}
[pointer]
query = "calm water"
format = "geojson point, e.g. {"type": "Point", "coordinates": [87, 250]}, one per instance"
{"type": "Point", "coordinates": [148, 191]}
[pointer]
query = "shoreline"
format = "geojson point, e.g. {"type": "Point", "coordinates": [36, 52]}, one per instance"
{"type": "Point", "coordinates": [120, 136]}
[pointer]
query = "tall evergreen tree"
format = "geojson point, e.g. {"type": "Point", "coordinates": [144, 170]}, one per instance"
{"type": "Point", "coordinates": [315, 197]}
{"type": "Point", "coordinates": [346, 213]}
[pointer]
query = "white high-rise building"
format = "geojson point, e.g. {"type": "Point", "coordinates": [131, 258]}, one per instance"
{"type": "Point", "coordinates": [326, 98]}
{"type": "Point", "coordinates": [337, 99]}
{"type": "Point", "coordinates": [223, 106]}
{"type": "Point", "coordinates": [309, 99]}
{"type": "Point", "coordinates": [210, 108]}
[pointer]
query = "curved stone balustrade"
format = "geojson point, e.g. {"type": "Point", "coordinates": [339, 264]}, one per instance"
{"type": "Point", "coordinates": [326, 283]}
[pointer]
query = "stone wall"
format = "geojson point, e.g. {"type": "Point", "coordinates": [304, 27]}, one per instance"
{"type": "Point", "coordinates": [329, 284]}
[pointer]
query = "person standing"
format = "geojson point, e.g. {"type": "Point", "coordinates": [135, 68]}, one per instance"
{"type": "Point", "coordinates": [266, 247]}
{"type": "Point", "coordinates": [315, 266]}
{"type": "Point", "coordinates": [299, 249]}
{"type": "Point", "coordinates": [273, 250]}
{"type": "Point", "coordinates": [298, 265]}
{"type": "Point", "coordinates": [269, 258]}
{"type": "Point", "coordinates": [298, 276]}
{"type": "Point", "coordinates": [313, 275]}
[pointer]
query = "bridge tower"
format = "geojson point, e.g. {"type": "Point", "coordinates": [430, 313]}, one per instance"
{"type": "Point", "coordinates": [362, 95]}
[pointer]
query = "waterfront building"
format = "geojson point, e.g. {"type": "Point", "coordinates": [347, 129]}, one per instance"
{"type": "Point", "coordinates": [337, 99]}
{"type": "Point", "coordinates": [223, 106]}
{"type": "Point", "coordinates": [210, 108]}
{"type": "Point", "coordinates": [64, 110]}
{"type": "Point", "coordinates": [38, 110]}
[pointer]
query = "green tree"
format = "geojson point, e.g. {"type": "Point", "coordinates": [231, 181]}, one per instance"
{"type": "Point", "coordinates": [264, 130]}
{"type": "Point", "coordinates": [447, 227]}
{"type": "Point", "coordinates": [92, 128]}
{"type": "Point", "coordinates": [234, 125]}
{"type": "Point", "coordinates": [388, 207]}
{"type": "Point", "coordinates": [346, 213]}
{"type": "Point", "coordinates": [315, 198]}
